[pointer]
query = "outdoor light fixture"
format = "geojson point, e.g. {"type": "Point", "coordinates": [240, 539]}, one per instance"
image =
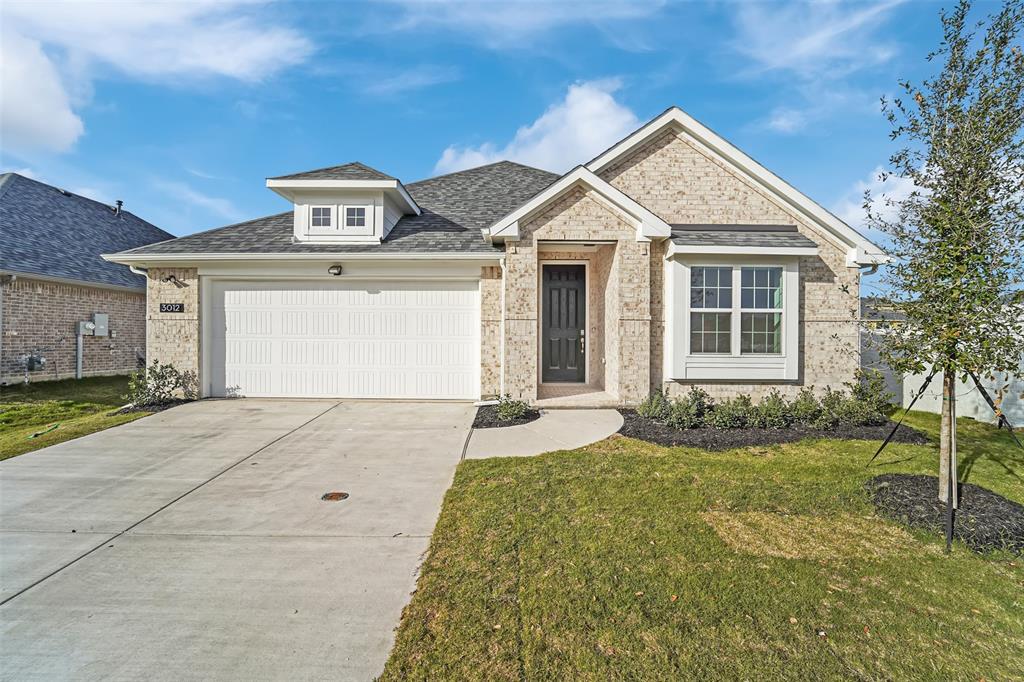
{"type": "Point", "coordinates": [170, 279]}
{"type": "Point", "coordinates": [334, 270]}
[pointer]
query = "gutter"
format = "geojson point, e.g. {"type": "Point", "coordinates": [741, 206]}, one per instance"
{"type": "Point", "coordinates": [134, 259]}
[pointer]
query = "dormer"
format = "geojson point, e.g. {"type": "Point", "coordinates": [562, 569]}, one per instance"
{"type": "Point", "coordinates": [348, 203]}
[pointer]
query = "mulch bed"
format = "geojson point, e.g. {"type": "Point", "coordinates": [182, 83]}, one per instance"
{"type": "Point", "coordinates": [151, 408]}
{"type": "Point", "coordinates": [985, 520]}
{"type": "Point", "coordinates": [487, 418]}
{"type": "Point", "coordinates": [642, 428]}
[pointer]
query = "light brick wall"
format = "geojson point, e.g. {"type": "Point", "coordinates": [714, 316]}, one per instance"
{"type": "Point", "coordinates": [683, 182]}
{"type": "Point", "coordinates": [579, 217]}
{"type": "Point", "coordinates": [44, 315]}
{"type": "Point", "coordinates": [490, 331]}
{"type": "Point", "coordinates": [173, 338]}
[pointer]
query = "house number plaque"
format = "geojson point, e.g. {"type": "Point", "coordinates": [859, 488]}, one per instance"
{"type": "Point", "coordinates": [172, 307]}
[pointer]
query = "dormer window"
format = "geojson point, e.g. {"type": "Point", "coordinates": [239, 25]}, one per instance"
{"type": "Point", "coordinates": [355, 216]}
{"type": "Point", "coordinates": [321, 216]}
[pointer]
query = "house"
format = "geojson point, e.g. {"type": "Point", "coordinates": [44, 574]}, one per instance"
{"type": "Point", "coordinates": [54, 282]}
{"type": "Point", "coordinates": [671, 259]}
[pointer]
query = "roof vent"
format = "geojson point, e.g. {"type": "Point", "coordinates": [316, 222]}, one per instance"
{"type": "Point", "coordinates": [117, 207]}
{"type": "Point", "coordinates": [64, 192]}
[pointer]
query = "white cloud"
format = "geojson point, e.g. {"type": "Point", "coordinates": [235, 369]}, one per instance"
{"type": "Point", "coordinates": [408, 80]}
{"type": "Point", "coordinates": [586, 122]}
{"type": "Point", "coordinates": [35, 110]}
{"type": "Point", "coordinates": [812, 40]}
{"type": "Point", "coordinates": [183, 192]}
{"type": "Point", "coordinates": [511, 23]}
{"type": "Point", "coordinates": [787, 120]}
{"type": "Point", "coordinates": [883, 193]}
{"type": "Point", "coordinates": [54, 50]}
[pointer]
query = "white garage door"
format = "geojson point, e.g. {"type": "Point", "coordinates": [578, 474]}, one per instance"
{"type": "Point", "coordinates": [345, 339]}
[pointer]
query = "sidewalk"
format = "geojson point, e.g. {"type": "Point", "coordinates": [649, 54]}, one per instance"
{"type": "Point", "coordinates": [555, 430]}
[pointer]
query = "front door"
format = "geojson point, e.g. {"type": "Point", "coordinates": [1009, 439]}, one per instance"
{"type": "Point", "coordinates": [563, 328]}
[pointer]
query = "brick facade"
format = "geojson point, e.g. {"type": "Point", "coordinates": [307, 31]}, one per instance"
{"type": "Point", "coordinates": [43, 315]}
{"type": "Point", "coordinates": [173, 338]}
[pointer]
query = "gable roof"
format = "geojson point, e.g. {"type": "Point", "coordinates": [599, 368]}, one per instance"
{"type": "Point", "coordinates": [454, 209]}
{"type": "Point", "coordinates": [647, 223]}
{"type": "Point", "coordinates": [346, 171]}
{"type": "Point", "coordinates": [49, 232]}
{"type": "Point", "coordinates": [861, 251]}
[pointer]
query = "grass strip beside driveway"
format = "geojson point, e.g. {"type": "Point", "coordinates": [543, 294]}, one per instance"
{"type": "Point", "coordinates": [78, 407]}
{"type": "Point", "coordinates": [626, 560]}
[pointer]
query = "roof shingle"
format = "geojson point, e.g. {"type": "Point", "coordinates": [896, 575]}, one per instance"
{"type": "Point", "coordinates": [757, 236]}
{"type": "Point", "coordinates": [47, 231]}
{"type": "Point", "coordinates": [455, 209]}
{"type": "Point", "coordinates": [346, 171]}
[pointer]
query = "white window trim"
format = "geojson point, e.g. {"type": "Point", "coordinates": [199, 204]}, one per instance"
{"type": "Point", "coordinates": [334, 217]}
{"type": "Point", "coordinates": [367, 217]}
{"type": "Point", "coordinates": [684, 365]}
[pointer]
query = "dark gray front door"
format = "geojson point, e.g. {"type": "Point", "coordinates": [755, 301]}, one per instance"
{"type": "Point", "coordinates": [564, 323]}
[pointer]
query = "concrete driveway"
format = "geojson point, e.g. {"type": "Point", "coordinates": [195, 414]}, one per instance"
{"type": "Point", "coordinates": [193, 544]}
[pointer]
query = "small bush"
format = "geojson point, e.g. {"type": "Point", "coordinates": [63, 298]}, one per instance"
{"type": "Point", "coordinates": [731, 414]}
{"type": "Point", "coordinates": [655, 406]}
{"type": "Point", "coordinates": [510, 410]}
{"type": "Point", "coordinates": [160, 384]}
{"type": "Point", "coordinates": [772, 412]}
{"type": "Point", "coordinates": [690, 411]}
{"type": "Point", "coordinates": [868, 388]}
{"type": "Point", "coordinates": [805, 409]}
{"type": "Point", "coordinates": [832, 406]}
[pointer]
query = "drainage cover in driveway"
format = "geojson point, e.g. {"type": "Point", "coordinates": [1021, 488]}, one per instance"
{"type": "Point", "coordinates": [334, 497]}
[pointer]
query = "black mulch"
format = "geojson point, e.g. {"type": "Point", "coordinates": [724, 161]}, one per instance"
{"type": "Point", "coordinates": [487, 418]}
{"type": "Point", "coordinates": [642, 428]}
{"type": "Point", "coordinates": [160, 407]}
{"type": "Point", "coordinates": [985, 520]}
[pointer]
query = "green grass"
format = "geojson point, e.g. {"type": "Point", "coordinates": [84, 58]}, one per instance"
{"type": "Point", "coordinates": [626, 560]}
{"type": "Point", "coordinates": [78, 407]}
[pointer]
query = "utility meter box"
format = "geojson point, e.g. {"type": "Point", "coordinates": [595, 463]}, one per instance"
{"type": "Point", "coordinates": [102, 322]}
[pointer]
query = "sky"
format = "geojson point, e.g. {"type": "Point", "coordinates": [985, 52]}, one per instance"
{"type": "Point", "coordinates": [183, 109]}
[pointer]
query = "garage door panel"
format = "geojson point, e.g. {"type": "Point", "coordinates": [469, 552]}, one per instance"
{"type": "Point", "coordinates": [368, 340]}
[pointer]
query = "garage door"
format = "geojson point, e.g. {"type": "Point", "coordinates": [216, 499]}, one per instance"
{"type": "Point", "coordinates": [345, 339]}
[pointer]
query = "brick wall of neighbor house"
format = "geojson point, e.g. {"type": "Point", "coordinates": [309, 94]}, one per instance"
{"type": "Point", "coordinates": [173, 338]}
{"type": "Point", "coordinates": [490, 331]}
{"type": "Point", "coordinates": [37, 314]}
{"type": "Point", "coordinates": [580, 217]}
{"type": "Point", "coordinates": [681, 181]}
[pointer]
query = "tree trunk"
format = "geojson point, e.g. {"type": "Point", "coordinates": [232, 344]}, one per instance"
{"type": "Point", "coordinates": [946, 432]}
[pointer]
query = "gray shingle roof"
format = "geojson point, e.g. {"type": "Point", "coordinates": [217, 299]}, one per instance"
{"type": "Point", "coordinates": [346, 171]}
{"type": "Point", "coordinates": [455, 208]}
{"type": "Point", "coordinates": [46, 231]}
{"type": "Point", "coordinates": [758, 236]}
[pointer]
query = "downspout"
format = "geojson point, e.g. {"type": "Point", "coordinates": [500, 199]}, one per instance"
{"type": "Point", "coordinates": [501, 332]}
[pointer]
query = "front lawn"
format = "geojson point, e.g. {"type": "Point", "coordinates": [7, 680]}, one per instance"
{"type": "Point", "coordinates": [77, 407]}
{"type": "Point", "coordinates": [627, 560]}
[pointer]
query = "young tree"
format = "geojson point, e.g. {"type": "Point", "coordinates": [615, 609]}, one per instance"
{"type": "Point", "coordinates": [957, 241]}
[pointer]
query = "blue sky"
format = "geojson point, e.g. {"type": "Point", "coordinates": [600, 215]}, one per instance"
{"type": "Point", "coordinates": [183, 109]}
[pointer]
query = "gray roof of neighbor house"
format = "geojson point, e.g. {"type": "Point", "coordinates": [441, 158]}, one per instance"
{"type": "Point", "coordinates": [346, 171]}
{"type": "Point", "coordinates": [455, 209]}
{"type": "Point", "coordinates": [759, 236]}
{"type": "Point", "coordinates": [50, 232]}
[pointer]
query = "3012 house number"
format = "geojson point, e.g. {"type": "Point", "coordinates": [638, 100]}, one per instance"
{"type": "Point", "coordinates": [172, 307]}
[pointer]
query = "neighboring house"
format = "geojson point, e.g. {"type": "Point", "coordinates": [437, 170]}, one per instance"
{"type": "Point", "coordinates": [969, 400]}
{"type": "Point", "coordinates": [52, 278]}
{"type": "Point", "coordinates": [671, 259]}
{"type": "Point", "coordinates": [875, 313]}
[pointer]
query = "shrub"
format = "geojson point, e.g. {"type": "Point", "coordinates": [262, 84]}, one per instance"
{"type": "Point", "coordinates": [511, 410]}
{"type": "Point", "coordinates": [805, 409]}
{"type": "Point", "coordinates": [690, 411]}
{"type": "Point", "coordinates": [868, 387]}
{"type": "Point", "coordinates": [854, 412]}
{"type": "Point", "coordinates": [160, 384]}
{"type": "Point", "coordinates": [655, 406]}
{"type": "Point", "coordinates": [831, 409]}
{"type": "Point", "coordinates": [731, 414]}
{"type": "Point", "coordinates": [772, 412]}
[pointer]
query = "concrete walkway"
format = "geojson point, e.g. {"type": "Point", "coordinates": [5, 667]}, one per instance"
{"type": "Point", "coordinates": [193, 544]}
{"type": "Point", "coordinates": [555, 430]}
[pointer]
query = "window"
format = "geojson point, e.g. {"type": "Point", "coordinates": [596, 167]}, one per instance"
{"type": "Point", "coordinates": [321, 216]}
{"type": "Point", "coordinates": [711, 295]}
{"type": "Point", "coordinates": [761, 310]}
{"type": "Point", "coordinates": [355, 216]}
{"type": "Point", "coordinates": [717, 318]}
